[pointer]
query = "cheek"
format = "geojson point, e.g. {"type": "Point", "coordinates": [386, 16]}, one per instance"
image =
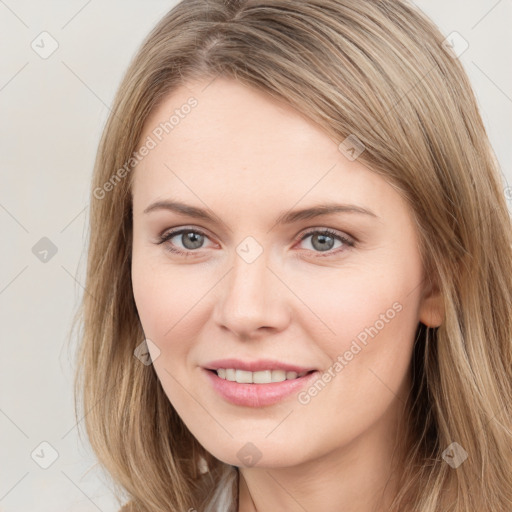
{"type": "Point", "coordinates": [357, 303]}
{"type": "Point", "coordinates": [368, 322]}
{"type": "Point", "coordinates": [150, 297]}
{"type": "Point", "coordinates": [173, 307]}
{"type": "Point", "coordinates": [163, 294]}
{"type": "Point", "coordinates": [370, 354]}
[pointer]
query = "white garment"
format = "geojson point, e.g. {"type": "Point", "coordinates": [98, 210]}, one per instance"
{"type": "Point", "coordinates": [222, 500]}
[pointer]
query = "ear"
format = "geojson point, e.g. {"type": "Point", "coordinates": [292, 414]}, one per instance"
{"type": "Point", "coordinates": [431, 312]}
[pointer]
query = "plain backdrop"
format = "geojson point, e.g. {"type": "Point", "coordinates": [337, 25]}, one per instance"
{"type": "Point", "coordinates": [52, 113]}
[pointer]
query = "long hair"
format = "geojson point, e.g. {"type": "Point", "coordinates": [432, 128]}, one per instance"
{"type": "Point", "coordinates": [376, 70]}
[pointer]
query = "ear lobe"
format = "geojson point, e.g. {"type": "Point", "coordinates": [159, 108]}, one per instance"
{"type": "Point", "coordinates": [431, 307]}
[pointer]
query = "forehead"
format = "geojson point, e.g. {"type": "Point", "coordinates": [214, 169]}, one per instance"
{"type": "Point", "coordinates": [240, 145]}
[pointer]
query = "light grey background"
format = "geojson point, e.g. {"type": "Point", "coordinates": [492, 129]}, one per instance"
{"type": "Point", "coordinates": [52, 112]}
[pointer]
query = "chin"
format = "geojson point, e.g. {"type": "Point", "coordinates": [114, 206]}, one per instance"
{"type": "Point", "coordinates": [258, 454]}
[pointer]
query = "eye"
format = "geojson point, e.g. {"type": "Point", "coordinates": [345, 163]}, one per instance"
{"type": "Point", "coordinates": [322, 240]}
{"type": "Point", "coordinates": [191, 239]}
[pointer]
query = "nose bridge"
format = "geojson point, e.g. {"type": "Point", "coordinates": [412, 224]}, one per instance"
{"type": "Point", "coordinates": [249, 298]}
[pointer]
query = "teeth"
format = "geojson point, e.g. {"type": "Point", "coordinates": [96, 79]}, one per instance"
{"type": "Point", "coordinates": [261, 377]}
{"type": "Point", "coordinates": [243, 377]}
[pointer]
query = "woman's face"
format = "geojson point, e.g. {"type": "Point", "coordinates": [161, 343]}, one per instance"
{"type": "Point", "coordinates": [258, 280]}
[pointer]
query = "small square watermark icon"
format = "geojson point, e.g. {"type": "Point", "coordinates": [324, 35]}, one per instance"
{"type": "Point", "coordinates": [455, 45]}
{"type": "Point", "coordinates": [44, 249]}
{"type": "Point", "coordinates": [351, 147]}
{"type": "Point", "coordinates": [44, 45]}
{"type": "Point", "coordinates": [454, 455]}
{"type": "Point", "coordinates": [44, 455]}
{"type": "Point", "coordinates": [147, 352]}
{"type": "Point", "coordinates": [249, 454]}
{"type": "Point", "coordinates": [249, 249]}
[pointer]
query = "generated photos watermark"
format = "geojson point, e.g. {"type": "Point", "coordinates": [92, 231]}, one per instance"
{"type": "Point", "coordinates": [151, 142]}
{"type": "Point", "coordinates": [305, 397]}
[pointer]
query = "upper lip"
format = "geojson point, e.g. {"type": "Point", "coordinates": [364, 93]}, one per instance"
{"type": "Point", "coordinates": [255, 366]}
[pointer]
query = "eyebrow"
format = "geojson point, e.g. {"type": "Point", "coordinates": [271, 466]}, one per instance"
{"type": "Point", "coordinates": [287, 217]}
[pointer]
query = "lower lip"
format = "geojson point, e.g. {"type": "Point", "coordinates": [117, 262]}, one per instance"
{"type": "Point", "coordinates": [257, 395]}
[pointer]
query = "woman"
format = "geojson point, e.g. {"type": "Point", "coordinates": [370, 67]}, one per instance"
{"type": "Point", "coordinates": [299, 272]}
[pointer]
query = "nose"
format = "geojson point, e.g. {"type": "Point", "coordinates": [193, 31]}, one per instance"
{"type": "Point", "coordinates": [252, 300]}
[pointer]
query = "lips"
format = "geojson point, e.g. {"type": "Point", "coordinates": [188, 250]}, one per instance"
{"type": "Point", "coordinates": [257, 365]}
{"type": "Point", "coordinates": [257, 395]}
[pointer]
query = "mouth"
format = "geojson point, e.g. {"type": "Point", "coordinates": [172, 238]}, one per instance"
{"type": "Point", "coordinates": [257, 377]}
{"type": "Point", "coordinates": [279, 369]}
{"type": "Point", "coordinates": [265, 388]}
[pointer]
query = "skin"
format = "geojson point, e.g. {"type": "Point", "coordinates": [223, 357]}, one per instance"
{"type": "Point", "coordinates": [249, 158]}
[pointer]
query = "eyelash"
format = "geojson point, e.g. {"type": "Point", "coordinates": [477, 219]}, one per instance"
{"type": "Point", "coordinates": [334, 234]}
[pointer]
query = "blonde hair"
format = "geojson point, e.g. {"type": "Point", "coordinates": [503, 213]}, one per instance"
{"type": "Point", "coordinates": [375, 70]}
